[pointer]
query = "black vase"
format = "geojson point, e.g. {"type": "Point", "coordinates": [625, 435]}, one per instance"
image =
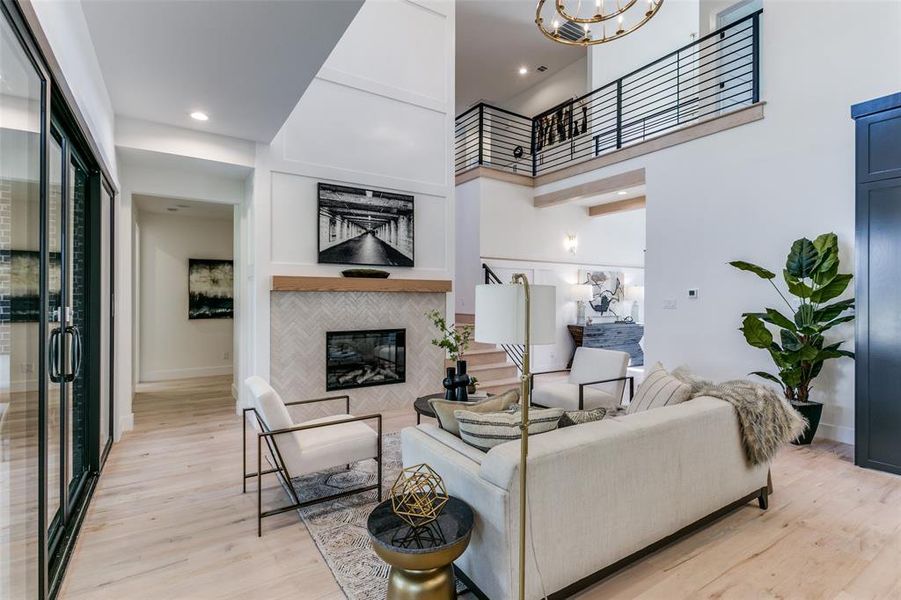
{"type": "Point", "coordinates": [812, 411]}
{"type": "Point", "coordinates": [449, 383]}
{"type": "Point", "coordinates": [461, 381]}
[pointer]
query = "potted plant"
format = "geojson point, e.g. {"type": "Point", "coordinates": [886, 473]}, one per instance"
{"type": "Point", "coordinates": [800, 350]}
{"type": "Point", "coordinates": [473, 384]}
{"type": "Point", "coordinates": [454, 341]}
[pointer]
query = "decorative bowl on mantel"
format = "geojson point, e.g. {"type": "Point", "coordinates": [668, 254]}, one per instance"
{"type": "Point", "coordinates": [370, 273]}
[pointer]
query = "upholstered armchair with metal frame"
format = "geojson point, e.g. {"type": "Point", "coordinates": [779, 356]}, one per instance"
{"type": "Point", "coordinates": [596, 379]}
{"type": "Point", "coordinates": [297, 449]}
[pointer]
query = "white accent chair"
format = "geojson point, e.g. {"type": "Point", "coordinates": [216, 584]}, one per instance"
{"type": "Point", "coordinates": [596, 379]}
{"type": "Point", "coordinates": [297, 449]}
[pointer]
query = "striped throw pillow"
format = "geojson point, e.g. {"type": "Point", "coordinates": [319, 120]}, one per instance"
{"type": "Point", "coordinates": [484, 431]}
{"type": "Point", "coordinates": [658, 389]}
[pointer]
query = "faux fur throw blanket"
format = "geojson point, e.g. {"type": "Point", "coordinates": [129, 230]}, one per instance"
{"type": "Point", "coordinates": [766, 419]}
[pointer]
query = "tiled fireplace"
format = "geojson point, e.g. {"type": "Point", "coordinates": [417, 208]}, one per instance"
{"type": "Point", "coordinates": [302, 320]}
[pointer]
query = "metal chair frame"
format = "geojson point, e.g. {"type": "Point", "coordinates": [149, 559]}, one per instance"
{"type": "Point", "coordinates": [280, 468]}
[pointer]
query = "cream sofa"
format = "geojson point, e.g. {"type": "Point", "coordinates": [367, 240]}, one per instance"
{"type": "Point", "coordinates": [597, 493]}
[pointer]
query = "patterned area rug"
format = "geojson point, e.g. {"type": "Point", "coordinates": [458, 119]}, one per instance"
{"type": "Point", "coordinates": [339, 527]}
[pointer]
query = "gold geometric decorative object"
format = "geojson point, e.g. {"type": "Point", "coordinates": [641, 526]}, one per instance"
{"type": "Point", "coordinates": [418, 495]}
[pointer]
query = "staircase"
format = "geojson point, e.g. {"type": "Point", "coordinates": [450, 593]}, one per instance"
{"type": "Point", "coordinates": [488, 363]}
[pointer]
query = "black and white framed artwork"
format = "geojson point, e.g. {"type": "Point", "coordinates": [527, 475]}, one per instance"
{"type": "Point", "coordinates": [365, 227]}
{"type": "Point", "coordinates": [210, 289]}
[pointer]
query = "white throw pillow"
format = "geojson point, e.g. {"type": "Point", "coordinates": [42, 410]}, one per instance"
{"type": "Point", "coordinates": [658, 389]}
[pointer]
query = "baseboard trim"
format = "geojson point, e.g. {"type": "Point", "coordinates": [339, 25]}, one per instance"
{"type": "Point", "coordinates": [836, 433]}
{"type": "Point", "coordinates": [189, 373]}
{"type": "Point", "coordinates": [126, 423]}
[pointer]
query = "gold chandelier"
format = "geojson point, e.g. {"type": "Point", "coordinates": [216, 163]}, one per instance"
{"type": "Point", "coordinates": [598, 24]}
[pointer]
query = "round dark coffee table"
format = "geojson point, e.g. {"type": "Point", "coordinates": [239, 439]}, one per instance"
{"type": "Point", "coordinates": [421, 558]}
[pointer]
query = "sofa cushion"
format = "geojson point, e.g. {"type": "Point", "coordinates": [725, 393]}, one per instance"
{"type": "Point", "coordinates": [444, 409]}
{"type": "Point", "coordinates": [580, 417]}
{"type": "Point", "coordinates": [658, 389]}
{"type": "Point", "coordinates": [487, 430]}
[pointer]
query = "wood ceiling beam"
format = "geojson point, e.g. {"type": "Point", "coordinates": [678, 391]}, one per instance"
{"type": "Point", "coordinates": [591, 188]}
{"type": "Point", "coordinates": [609, 208]}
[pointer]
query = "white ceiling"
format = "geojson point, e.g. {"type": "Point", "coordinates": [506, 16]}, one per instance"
{"type": "Point", "coordinates": [494, 39]}
{"type": "Point", "coordinates": [245, 63]}
{"type": "Point", "coordinates": [183, 208]}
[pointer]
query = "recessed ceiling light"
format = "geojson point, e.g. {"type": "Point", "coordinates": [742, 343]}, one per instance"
{"type": "Point", "coordinates": [523, 70]}
{"type": "Point", "coordinates": [622, 192]}
{"type": "Point", "coordinates": [199, 116]}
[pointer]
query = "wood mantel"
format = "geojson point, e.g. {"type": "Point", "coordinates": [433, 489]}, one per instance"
{"type": "Point", "coordinates": [288, 283]}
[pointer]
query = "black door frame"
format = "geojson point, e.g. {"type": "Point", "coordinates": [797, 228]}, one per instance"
{"type": "Point", "coordinates": [56, 112]}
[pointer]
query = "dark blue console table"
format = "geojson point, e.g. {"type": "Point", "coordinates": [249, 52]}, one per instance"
{"type": "Point", "coordinates": [610, 336]}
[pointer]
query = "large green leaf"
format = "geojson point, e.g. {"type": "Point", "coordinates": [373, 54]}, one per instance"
{"type": "Point", "coordinates": [778, 319]}
{"type": "Point", "coordinates": [802, 259]}
{"type": "Point", "coordinates": [789, 340]}
{"type": "Point", "coordinates": [827, 247]}
{"type": "Point", "coordinates": [757, 270]}
{"type": "Point", "coordinates": [790, 377]}
{"type": "Point", "coordinates": [827, 313]}
{"type": "Point", "coordinates": [837, 321]}
{"type": "Point", "coordinates": [796, 286]}
{"type": "Point", "coordinates": [766, 375]}
{"type": "Point", "coordinates": [832, 289]}
{"type": "Point", "coordinates": [756, 332]}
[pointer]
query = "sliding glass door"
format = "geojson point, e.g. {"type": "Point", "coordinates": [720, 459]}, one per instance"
{"type": "Point", "coordinates": [22, 106]}
{"type": "Point", "coordinates": [67, 399]}
{"type": "Point", "coordinates": [56, 235]}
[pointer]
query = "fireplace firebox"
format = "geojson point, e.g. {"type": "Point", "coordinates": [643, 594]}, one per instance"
{"type": "Point", "coordinates": [357, 359]}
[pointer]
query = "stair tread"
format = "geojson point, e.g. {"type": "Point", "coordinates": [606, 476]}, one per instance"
{"type": "Point", "coordinates": [487, 366]}
{"type": "Point", "coordinates": [496, 382]}
{"type": "Point", "coordinates": [483, 351]}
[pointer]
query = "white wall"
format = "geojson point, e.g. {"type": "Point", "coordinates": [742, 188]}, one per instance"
{"type": "Point", "coordinates": [570, 82]}
{"type": "Point", "coordinates": [498, 224]}
{"type": "Point", "coordinates": [379, 114]}
{"type": "Point", "coordinates": [671, 28]}
{"type": "Point", "coordinates": [66, 29]}
{"type": "Point", "coordinates": [171, 345]}
{"type": "Point", "coordinates": [747, 193]}
{"type": "Point", "coordinates": [512, 228]}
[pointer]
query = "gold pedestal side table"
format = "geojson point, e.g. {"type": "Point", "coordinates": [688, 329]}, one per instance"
{"type": "Point", "coordinates": [421, 558]}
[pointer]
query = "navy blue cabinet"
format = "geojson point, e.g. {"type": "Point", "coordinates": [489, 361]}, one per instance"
{"type": "Point", "coordinates": [878, 288]}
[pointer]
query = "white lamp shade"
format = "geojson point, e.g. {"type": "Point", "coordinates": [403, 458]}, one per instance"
{"type": "Point", "coordinates": [582, 292]}
{"type": "Point", "coordinates": [501, 312]}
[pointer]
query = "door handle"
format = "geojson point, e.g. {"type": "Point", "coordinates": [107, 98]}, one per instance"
{"type": "Point", "coordinates": [76, 354]}
{"type": "Point", "coordinates": [54, 358]}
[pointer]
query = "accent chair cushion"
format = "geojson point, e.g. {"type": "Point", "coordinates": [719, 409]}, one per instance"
{"type": "Point", "coordinates": [445, 409]}
{"type": "Point", "coordinates": [316, 449]}
{"type": "Point", "coordinates": [658, 389]}
{"type": "Point", "coordinates": [484, 431]}
{"type": "Point", "coordinates": [326, 447]}
{"type": "Point", "coordinates": [564, 395]}
{"type": "Point", "coordinates": [593, 364]}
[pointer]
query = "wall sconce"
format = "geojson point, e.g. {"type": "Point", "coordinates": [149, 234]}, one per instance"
{"type": "Point", "coordinates": [571, 243]}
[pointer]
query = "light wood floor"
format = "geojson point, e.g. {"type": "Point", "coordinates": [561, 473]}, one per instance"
{"type": "Point", "coordinates": [169, 521]}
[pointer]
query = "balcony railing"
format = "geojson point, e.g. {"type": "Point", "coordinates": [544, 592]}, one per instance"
{"type": "Point", "coordinates": [714, 75]}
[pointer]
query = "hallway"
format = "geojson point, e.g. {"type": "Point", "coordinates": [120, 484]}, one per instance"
{"type": "Point", "coordinates": [365, 249]}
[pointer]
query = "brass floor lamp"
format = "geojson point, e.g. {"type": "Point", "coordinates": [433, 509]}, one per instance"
{"type": "Point", "coordinates": [518, 313]}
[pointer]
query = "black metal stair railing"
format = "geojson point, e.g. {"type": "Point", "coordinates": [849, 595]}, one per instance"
{"type": "Point", "coordinates": [515, 352]}
{"type": "Point", "coordinates": [713, 75]}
